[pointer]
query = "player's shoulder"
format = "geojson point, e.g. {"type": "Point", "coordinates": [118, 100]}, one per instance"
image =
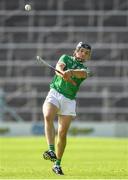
{"type": "Point", "coordinates": [65, 56]}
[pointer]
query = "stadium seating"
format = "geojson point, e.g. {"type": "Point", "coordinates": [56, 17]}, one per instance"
{"type": "Point", "coordinates": [51, 29]}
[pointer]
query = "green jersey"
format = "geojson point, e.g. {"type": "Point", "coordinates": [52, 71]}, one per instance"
{"type": "Point", "coordinates": [66, 88]}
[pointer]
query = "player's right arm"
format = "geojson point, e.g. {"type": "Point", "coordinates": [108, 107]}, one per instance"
{"type": "Point", "coordinates": [66, 74]}
{"type": "Point", "coordinates": [60, 67]}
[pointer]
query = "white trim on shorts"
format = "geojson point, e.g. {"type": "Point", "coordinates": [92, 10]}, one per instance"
{"type": "Point", "coordinates": [65, 105]}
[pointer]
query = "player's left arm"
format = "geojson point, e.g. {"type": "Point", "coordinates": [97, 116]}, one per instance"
{"type": "Point", "coordinates": [80, 73]}
{"type": "Point", "coordinates": [66, 76]}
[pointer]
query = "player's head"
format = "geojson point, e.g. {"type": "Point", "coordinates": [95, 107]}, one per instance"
{"type": "Point", "coordinates": [82, 51]}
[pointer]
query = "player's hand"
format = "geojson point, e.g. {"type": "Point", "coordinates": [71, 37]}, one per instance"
{"type": "Point", "coordinates": [67, 74]}
{"type": "Point", "coordinates": [67, 77]}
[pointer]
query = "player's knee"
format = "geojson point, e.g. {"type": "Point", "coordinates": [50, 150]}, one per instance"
{"type": "Point", "coordinates": [47, 117]}
{"type": "Point", "coordinates": [44, 108]}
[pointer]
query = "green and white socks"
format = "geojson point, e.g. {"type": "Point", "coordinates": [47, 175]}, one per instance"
{"type": "Point", "coordinates": [52, 147]}
{"type": "Point", "coordinates": [58, 162]}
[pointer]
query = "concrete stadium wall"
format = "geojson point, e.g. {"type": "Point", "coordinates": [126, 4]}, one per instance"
{"type": "Point", "coordinates": [99, 129]}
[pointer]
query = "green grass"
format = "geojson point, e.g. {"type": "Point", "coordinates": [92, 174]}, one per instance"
{"type": "Point", "coordinates": [84, 158]}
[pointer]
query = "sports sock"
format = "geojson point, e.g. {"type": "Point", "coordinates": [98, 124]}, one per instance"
{"type": "Point", "coordinates": [58, 162]}
{"type": "Point", "coordinates": [52, 147]}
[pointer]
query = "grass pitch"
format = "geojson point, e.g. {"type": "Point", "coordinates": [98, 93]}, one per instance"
{"type": "Point", "coordinates": [84, 158]}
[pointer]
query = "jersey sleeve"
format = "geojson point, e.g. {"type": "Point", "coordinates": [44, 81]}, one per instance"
{"type": "Point", "coordinates": [63, 59]}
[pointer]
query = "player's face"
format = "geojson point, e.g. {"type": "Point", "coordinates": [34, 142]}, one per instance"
{"type": "Point", "coordinates": [83, 54]}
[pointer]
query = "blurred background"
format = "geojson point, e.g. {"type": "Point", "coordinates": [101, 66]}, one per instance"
{"type": "Point", "coordinates": [51, 28]}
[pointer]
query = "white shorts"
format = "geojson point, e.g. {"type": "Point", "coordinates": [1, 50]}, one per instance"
{"type": "Point", "coordinates": [65, 105]}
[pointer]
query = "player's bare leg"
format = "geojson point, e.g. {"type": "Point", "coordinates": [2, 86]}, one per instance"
{"type": "Point", "coordinates": [49, 111]}
{"type": "Point", "coordinates": [63, 126]}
